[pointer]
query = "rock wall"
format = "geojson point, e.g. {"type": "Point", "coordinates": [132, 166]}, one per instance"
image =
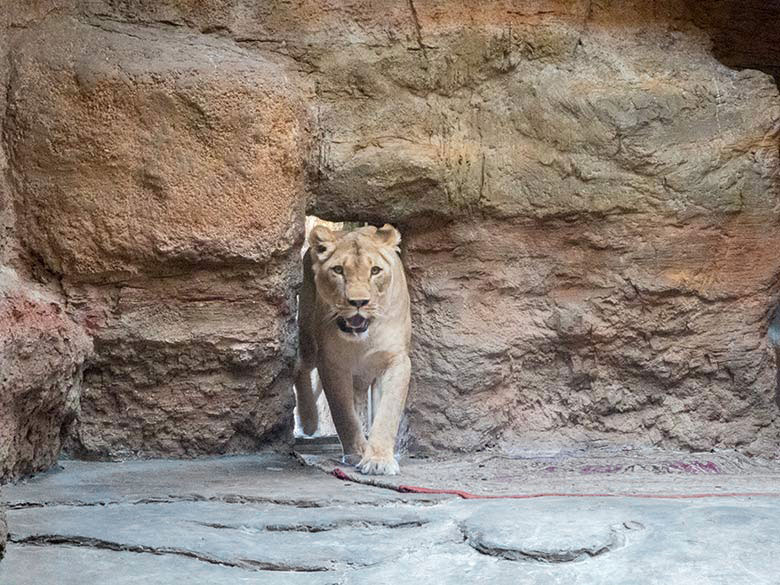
{"type": "Point", "coordinates": [42, 350]}
{"type": "Point", "coordinates": [588, 192]}
{"type": "Point", "coordinates": [589, 199]}
{"type": "Point", "coordinates": [160, 175]}
{"type": "Point", "coordinates": [592, 211]}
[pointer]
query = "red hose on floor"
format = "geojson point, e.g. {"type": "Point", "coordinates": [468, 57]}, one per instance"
{"type": "Point", "coordinates": [411, 489]}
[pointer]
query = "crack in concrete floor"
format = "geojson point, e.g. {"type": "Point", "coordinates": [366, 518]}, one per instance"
{"type": "Point", "coordinates": [96, 543]}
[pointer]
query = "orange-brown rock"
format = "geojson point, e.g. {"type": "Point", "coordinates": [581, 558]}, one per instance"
{"type": "Point", "coordinates": [160, 174]}
{"type": "Point", "coordinates": [137, 149]}
{"type": "Point", "coordinates": [42, 351]}
{"type": "Point", "coordinates": [603, 329]}
{"type": "Point", "coordinates": [590, 201]}
{"type": "Point", "coordinates": [41, 360]}
{"type": "Point", "coordinates": [588, 193]}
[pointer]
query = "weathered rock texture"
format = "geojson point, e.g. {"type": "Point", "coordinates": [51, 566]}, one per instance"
{"type": "Point", "coordinates": [41, 357]}
{"type": "Point", "coordinates": [588, 192]}
{"type": "Point", "coordinates": [161, 176]}
{"type": "Point", "coordinates": [605, 260]}
{"type": "Point", "coordinates": [267, 519]}
{"type": "Point", "coordinates": [41, 349]}
{"type": "Point", "coordinates": [589, 196]}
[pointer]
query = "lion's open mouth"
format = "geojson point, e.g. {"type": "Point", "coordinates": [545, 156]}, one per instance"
{"type": "Point", "coordinates": [355, 324]}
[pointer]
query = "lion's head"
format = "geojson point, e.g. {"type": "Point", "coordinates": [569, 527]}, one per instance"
{"type": "Point", "coordinates": [354, 272]}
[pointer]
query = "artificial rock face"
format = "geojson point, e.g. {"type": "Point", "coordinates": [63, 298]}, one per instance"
{"type": "Point", "coordinates": [589, 200]}
{"type": "Point", "coordinates": [592, 212]}
{"type": "Point", "coordinates": [41, 359]}
{"type": "Point", "coordinates": [42, 351]}
{"type": "Point", "coordinates": [161, 175]}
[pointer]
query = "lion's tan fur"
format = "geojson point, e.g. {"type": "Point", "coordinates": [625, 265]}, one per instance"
{"type": "Point", "coordinates": [344, 361]}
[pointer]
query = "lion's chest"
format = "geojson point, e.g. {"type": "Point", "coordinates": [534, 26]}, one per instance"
{"type": "Point", "coordinates": [360, 356]}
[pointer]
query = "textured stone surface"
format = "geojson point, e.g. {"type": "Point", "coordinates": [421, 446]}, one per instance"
{"type": "Point", "coordinates": [15, 19]}
{"type": "Point", "coordinates": [589, 200]}
{"type": "Point", "coordinates": [267, 478]}
{"type": "Point", "coordinates": [161, 176]}
{"type": "Point", "coordinates": [6, 201]}
{"type": "Point", "coordinates": [581, 470]}
{"type": "Point", "coordinates": [41, 360]}
{"type": "Point", "coordinates": [95, 566]}
{"type": "Point", "coordinates": [588, 193]}
{"type": "Point", "coordinates": [582, 332]}
{"type": "Point", "coordinates": [267, 519]}
{"type": "Point", "coordinates": [155, 150]}
{"type": "Point", "coordinates": [267, 537]}
{"type": "Point", "coordinates": [669, 542]}
{"type": "Point", "coordinates": [575, 537]}
{"type": "Point", "coordinates": [609, 266]}
{"type": "Point", "coordinates": [193, 364]}
{"type": "Point", "coordinates": [41, 349]}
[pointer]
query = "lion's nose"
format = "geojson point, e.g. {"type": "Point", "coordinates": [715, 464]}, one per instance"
{"type": "Point", "coordinates": [358, 302]}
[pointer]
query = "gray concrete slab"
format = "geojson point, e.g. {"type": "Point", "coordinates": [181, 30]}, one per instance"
{"type": "Point", "coordinates": [661, 542]}
{"type": "Point", "coordinates": [591, 470]}
{"type": "Point", "coordinates": [69, 565]}
{"type": "Point", "coordinates": [257, 478]}
{"type": "Point", "coordinates": [244, 535]}
{"type": "Point", "coordinates": [268, 519]}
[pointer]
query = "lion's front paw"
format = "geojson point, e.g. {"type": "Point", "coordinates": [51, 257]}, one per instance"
{"type": "Point", "coordinates": [376, 462]}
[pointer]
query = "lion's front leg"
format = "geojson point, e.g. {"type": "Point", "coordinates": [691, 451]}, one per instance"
{"type": "Point", "coordinates": [337, 384]}
{"type": "Point", "coordinates": [378, 457]}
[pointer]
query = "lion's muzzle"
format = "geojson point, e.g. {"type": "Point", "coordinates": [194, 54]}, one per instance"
{"type": "Point", "coordinates": [355, 324]}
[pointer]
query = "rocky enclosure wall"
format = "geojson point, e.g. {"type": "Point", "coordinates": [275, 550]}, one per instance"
{"type": "Point", "coordinates": [42, 350]}
{"type": "Point", "coordinates": [163, 180]}
{"type": "Point", "coordinates": [588, 191]}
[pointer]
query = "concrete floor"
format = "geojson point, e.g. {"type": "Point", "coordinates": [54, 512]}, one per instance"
{"type": "Point", "coordinates": [627, 517]}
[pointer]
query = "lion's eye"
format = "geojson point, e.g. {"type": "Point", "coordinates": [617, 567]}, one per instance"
{"type": "Point", "coordinates": [375, 270]}
{"type": "Point", "coordinates": [338, 269]}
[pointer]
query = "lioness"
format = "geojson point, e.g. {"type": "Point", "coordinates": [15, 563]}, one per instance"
{"type": "Point", "coordinates": [354, 326]}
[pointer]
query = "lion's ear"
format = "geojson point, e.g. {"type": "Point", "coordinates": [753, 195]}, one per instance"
{"type": "Point", "coordinates": [387, 235]}
{"type": "Point", "coordinates": [322, 241]}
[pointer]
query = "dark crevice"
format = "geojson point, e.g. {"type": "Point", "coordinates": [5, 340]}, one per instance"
{"type": "Point", "coordinates": [96, 543]}
{"type": "Point", "coordinates": [325, 527]}
{"type": "Point", "coordinates": [418, 29]}
{"type": "Point", "coordinates": [774, 339]}
{"type": "Point", "coordinates": [741, 33]}
{"type": "Point", "coordinates": [547, 557]}
{"type": "Point", "coordinates": [172, 499]}
{"type": "Point", "coordinates": [225, 499]}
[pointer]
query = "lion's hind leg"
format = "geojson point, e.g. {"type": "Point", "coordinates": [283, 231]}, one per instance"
{"type": "Point", "coordinates": [306, 398]}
